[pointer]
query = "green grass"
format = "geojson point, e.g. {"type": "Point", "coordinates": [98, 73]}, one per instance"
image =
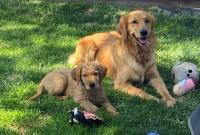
{"type": "Point", "coordinates": [37, 36]}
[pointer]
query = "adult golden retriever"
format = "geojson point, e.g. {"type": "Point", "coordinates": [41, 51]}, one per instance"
{"type": "Point", "coordinates": [128, 55]}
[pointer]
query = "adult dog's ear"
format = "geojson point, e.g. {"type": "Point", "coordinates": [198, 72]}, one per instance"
{"type": "Point", "coordinates": [102, 72]}
{"type": "Point", "coordinates": [153, 19]}
{"type": "Point", "coordinates": [76, 73]}
{"type": "Point", "coordinates": [122, 28]}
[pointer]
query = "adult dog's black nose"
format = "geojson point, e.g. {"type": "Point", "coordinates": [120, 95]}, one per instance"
{"type": "Point", "coordinates": [143, 33]}
{"type": "Point", "coordinates": [92, 85]}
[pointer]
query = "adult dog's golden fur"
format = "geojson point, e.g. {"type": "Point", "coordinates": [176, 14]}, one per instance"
{"type": "Point", "coordinates": [83, 84]}
{"type": "Point", "coordinates": [128, 55]}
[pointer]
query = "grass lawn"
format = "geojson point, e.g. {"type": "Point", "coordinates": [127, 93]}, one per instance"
{"type": "Point", "coordinates": [37, 36]}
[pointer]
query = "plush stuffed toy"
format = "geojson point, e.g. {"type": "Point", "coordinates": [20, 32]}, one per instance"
{"type": "Point", "coordinates": [84, 118]}
{"type": "Point", "coordinates": [186, 77]}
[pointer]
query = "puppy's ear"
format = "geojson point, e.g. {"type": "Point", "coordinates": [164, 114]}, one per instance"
{"type": "Point", "coordinates": [102, 72]}
{"type": "Point", "coordinates": [76, 73]}
{"type": "Point", "coordinates": [122, 28]}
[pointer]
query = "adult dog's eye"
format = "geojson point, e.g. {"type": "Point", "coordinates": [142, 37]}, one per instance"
{"type": "Point", "coordinates": [146, 21]}
{"type": "Point", "coordinates": [135, 21]}
{"type": "Point", "coordinates": [96, 74]}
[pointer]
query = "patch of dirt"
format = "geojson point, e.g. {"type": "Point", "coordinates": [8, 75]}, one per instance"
{"type": "Point", "coordinates": [170, 7]}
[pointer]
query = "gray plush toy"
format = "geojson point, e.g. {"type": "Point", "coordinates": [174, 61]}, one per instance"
{"type": "Point", "coordinates": [186, 77]}
{"type": "Point", "coordinates": [184, 70]}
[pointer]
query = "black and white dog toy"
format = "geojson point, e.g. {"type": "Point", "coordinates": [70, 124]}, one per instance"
{"type": "Point", "coordinates": [84, 118]}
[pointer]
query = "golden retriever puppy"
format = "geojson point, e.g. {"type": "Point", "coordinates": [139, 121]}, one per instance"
{"type": "Point", "coordinates": [83, 84]}
{"type": "Point", "coordinates": [128, 54]}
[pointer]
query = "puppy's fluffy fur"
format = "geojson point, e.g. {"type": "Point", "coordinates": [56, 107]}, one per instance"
{"type": "Point", "coordinates": [83, 84]}
{"type": "Point", "coordinates": [128, 54]}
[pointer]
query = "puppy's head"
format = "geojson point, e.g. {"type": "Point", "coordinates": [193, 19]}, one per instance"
{"type": "Point", "coordinates": [89, 75]}
{"type": "Point", "coordinates": [137, 25]}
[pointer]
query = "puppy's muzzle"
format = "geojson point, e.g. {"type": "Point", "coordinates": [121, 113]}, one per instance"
{"type": "Point", "coordinates": [92, 85]}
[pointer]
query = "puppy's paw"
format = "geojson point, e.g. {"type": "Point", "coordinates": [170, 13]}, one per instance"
{"type": "Point", "coordinates": [92, 108]}
{"type": "Point", "coordinates": [171, 102]}
{"type": "Point", "coordinates": [156, 99]}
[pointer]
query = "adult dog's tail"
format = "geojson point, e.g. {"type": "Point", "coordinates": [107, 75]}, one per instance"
{"type": "Point", "coordinates": [40, 90]}
{"type": "Point", "coordinates": [77, 57]}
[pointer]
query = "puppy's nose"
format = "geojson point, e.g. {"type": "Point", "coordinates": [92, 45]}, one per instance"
{"type": "Point", "coordinates": [92, 85]}
{"type": "Point", "coordinates": [143, 33]}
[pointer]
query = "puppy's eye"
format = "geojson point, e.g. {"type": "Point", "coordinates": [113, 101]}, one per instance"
{"type": "Point", "coordinates": [146, 20]}
{"type": "Point", "coordinates": [84, 75]}
{"type": "Point", "coordinates": [135, 21]}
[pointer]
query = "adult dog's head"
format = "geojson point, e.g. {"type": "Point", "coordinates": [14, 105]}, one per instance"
{"type": "Point", "coordinates": [89, 75]}
{"type": "Point", "coordinates": [137, 25]}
